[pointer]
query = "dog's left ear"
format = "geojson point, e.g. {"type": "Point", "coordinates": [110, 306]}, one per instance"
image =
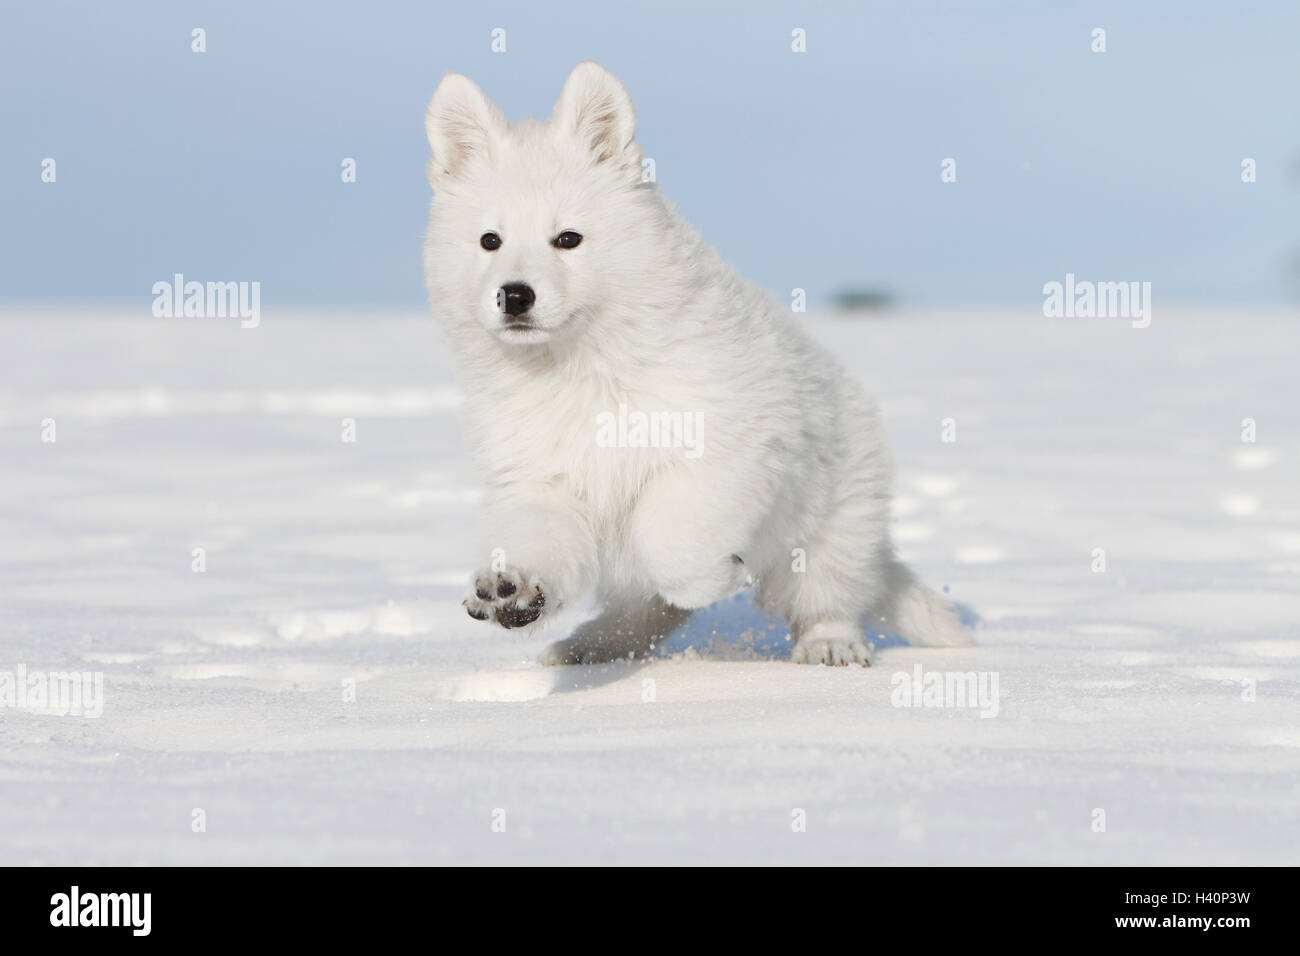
{"type": "Point", "coordinates": [595, 107]}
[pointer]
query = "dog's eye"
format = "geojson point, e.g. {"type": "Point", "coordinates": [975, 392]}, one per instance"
{"type": "Point", "coordinates": [566, 240]}
{"type": "Point", "coordinates": [490, 241]}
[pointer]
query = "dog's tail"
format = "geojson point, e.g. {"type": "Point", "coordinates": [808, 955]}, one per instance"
{"type": "Point", "coordinates": [919, 615]}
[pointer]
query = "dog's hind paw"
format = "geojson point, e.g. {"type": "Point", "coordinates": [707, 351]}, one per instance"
{"type": "Point", "coordinates": [836, 643]}
{"type": "Point", "coordinates": [508, 597]}
{"type": "Point", "coordinates": [830, 651]}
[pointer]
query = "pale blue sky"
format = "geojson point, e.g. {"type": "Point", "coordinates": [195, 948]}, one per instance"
{"type": "Point", "coordinates": [818, 170]}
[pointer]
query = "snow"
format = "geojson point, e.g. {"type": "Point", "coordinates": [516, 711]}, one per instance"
{"type": "Point", "coordinates": [332, 565]}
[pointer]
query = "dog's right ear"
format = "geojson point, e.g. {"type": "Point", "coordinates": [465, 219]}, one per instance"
{"type": "Point", "coordinates": [462, 123]}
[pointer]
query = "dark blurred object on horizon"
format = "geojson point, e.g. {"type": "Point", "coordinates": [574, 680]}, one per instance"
{"type": "Point", "coordinates": [862, 300]}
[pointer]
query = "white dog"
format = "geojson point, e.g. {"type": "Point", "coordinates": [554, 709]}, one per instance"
{"type": "Point", "coordinates": [651, 428]}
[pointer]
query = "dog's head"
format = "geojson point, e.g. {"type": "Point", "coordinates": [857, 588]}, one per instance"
{"type": "Point", "coordinates": [534, 226]}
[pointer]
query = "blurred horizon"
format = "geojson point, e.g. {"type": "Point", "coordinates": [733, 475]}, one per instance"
{"type": "Point", "coordinates": [818, 170]}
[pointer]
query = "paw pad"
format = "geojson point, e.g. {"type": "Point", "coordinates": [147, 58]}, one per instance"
{"type": "Point", "coordinates": [507, 598]}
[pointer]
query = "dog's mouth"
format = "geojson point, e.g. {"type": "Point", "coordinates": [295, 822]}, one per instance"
{"type": "Point", "coordinates": [528, 330]}
{"type": "Point", "coordinates": [522, 332]}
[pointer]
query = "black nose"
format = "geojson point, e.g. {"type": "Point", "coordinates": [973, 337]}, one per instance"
{"type": "Point", "coordinates": [515, 298]}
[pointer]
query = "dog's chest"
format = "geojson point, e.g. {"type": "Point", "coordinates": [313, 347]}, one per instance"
{"type": "Point", "coordinates": [574, 435]}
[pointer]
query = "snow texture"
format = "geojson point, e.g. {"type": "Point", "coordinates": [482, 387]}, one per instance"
{"type": "Point", "coordinates": [330, 562]}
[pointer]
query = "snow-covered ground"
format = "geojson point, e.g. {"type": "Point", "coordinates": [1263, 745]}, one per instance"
{"type": "Point", "coordinates": [333, 565]}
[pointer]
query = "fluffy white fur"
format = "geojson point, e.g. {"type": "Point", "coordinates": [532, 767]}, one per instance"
{"type": "Point", "coordinates": [644, 314]}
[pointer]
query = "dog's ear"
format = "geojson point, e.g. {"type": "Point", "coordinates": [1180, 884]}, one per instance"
{"type": "Point", "coordinates": [462, 123]}
{"type": "Point", "coordinates": [595, 107]}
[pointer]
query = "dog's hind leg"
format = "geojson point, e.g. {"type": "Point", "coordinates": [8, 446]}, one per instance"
{"type": "Point", "coordinates": [842, 572]}
{"type": "Point", "coordinates": [824, 603]}
{"type": "Point", "coordinates": [623, 632]}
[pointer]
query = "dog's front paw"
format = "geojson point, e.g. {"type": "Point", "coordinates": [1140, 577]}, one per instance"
{"type": "Point", "coordinates": [509, 598]}
{"type": "Point", "coordinates": [835, 651]}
